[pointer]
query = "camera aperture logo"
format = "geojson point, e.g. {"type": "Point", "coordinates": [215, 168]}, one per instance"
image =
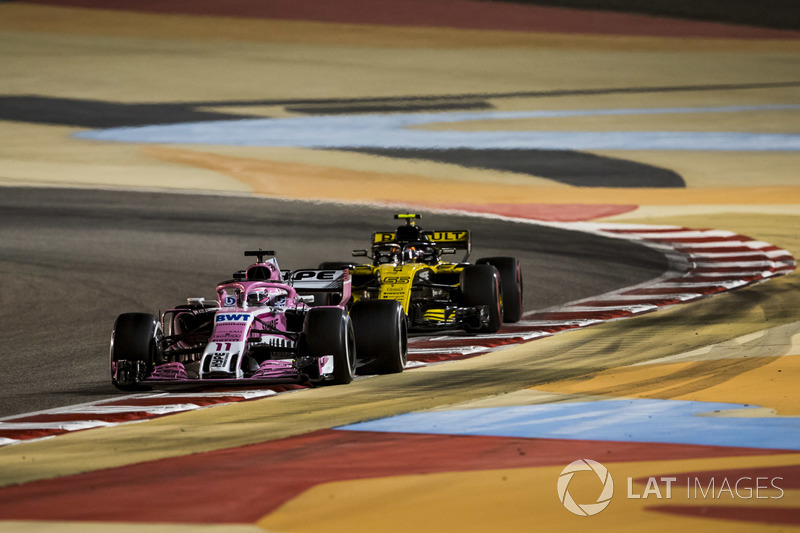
{"type": "Point", "coordinates": [585, 509]}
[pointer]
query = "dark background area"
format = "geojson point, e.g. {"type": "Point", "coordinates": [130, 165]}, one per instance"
{"type": "Point", "coordinates": [777, 14]}
{"type": "Point", "coordinates": [780, 14]}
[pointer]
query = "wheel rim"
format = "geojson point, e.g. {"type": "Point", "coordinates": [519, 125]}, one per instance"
{"type": "Point", "coordinates": [351, 348]}
{"type": "Point", "coordinates": [403, 342]}
{"type": "Point", "coordinates": [499, 298]}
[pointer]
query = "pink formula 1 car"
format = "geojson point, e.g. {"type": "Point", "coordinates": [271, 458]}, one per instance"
{"type": "Point", "coordinates": [265, 326]}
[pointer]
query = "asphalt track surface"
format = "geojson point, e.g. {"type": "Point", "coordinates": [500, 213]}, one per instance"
{"type": "Point", "coordinates": [75, 259]}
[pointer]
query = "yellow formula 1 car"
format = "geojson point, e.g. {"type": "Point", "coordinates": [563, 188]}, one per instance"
{"type": "Point", "coordinates": [407, 266]}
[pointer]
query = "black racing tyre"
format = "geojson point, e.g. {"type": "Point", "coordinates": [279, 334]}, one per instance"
{"type": "Point", "coordinates": [381, 336]}
{"type": "Point", "coordinates": [134, 350]}
{"type": "Point", "coordinates": [480, 285]}
{"type": "Point", "coordinates": [511, 282]}
{"type": "Point", "coordinates": [329, 331]}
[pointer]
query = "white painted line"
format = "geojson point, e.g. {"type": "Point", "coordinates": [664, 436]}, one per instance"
{"type": "Point", "coordinates": [740, 275]}
{"type": "Point", "coordinates": [633, 308]}
{"type": "Point", "coordinates": [681, 296]}
{"type": "Point", "coordinates": [524, 335]}
{"type": "Point", "coordinates": [685, 234]}
{"type": "Point", "coordinates": [64, 426]}
{"type": "Point", "coordinates": [246, 394]}
{"type": "Point", "coordinates": [464, 350]}
{"type": "Point", "coordinates": [732, 264]}
{"type": "Point", "coordinates": [631, 228]}
{"type": "Point", "coordinates": [153, 409]}
{"type": "Point", "coordinates": [691, 246]}
{"type": "Point", "coordinates": [721, 255]}
{"type": "Point", "coordinates": [557, 323]}
{"type": "Point", "coordinates": [634, 299]}
{"type": "Point", "coordinates": [690, 284]}
{"type": "Point", "coordinates": [781, 255]}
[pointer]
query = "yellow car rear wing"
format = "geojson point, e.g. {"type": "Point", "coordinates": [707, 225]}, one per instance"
{"type": "Point", "coordinates": [458, 239]}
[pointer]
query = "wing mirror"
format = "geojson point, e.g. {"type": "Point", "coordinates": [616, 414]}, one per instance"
{"type": "Point", "coordinates": [360, 253]}
{"type": "Point", "coordinates": [448, 251]}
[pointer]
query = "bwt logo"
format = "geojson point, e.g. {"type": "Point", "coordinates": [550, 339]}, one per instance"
{"type": "Point", "coordinates": [586, 509]}
{"type": "Point", "coordinates": [231, 318]}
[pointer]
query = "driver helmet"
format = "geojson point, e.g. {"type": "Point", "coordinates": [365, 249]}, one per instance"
{"type": "Point", "coordinates": [428, 255]}
{"type": "Point", "coordinates": [257, 298]}
{"type": "Point", "coordinates": [267, 296]}
{"type": "Point", "coordinates": [384, 254]}
{"type": "Point", "coordinates": [410, 254]}
{"type": "Point", "coordinates": [420, 253]}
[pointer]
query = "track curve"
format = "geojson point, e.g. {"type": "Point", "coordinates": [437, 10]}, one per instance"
{"type": "Point", "coordinates": [76, 258]}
